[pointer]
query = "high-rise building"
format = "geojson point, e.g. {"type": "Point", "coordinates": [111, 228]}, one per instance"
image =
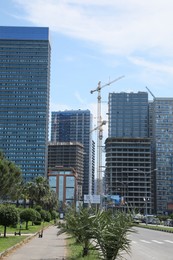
{"type": "Point", "coordinates": [128, 150]}
{"type": "Point", "coordinates": [76, 125]}
{"type": "Point", "coordinates": [128, 172]}
{"type": "Point", "coordinates": [24, 95]}
{"type": "Point", "coordinates": [128, 114]}
{"type": "Point", "coordinates": [67, 154]}
{"type": "Point", "coordinates": [163, 140]}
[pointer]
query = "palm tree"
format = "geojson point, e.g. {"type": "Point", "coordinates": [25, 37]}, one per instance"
{"type": "Point", "coordinates": [107, 232]}
{"type": "Point", "coordinates": [110, 233]}
{"type": "Point", "coordinates": [79, 226]}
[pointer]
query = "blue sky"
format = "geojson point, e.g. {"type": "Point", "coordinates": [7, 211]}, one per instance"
{"type": "Point", "coordinates": [100, 40]}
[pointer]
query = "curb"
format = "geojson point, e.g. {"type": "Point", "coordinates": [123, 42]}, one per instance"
{"type": "Point", "coordinates": [157, 229]}
{"type": "Point", "coordinates": [4, 253]}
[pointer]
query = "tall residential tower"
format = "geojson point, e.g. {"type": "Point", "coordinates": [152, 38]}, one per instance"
{"type": "Point", "coordinates": [24, 97]}
{"type": "Point", "coordinates": [128, 150]}
{"type": "Point", "coordinates": [75, 126]}
{"type": "Point", "coordinates": [163, 140]}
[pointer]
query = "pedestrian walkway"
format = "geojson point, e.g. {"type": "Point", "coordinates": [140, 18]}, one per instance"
{"type": "Point", "coordinates": [48, 247]}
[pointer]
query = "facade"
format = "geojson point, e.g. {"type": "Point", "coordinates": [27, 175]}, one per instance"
{"type": "Point", "coordinates": [76, 125]}
{"type": "Point", "coordinates": [68, 154]}
{"type": "Point", "coordinates": [63, 180]}
{"type": "Point", "coordinates": [128, 115]}
{"type": "Point", "coordinates": [128, 150]}
{"type": "Point", "coordinates": [128, 172]}
{"type": "Point", "coordinates": [24, 95]}
{"type": "Point", "coordinates": [93, 167]}
{"type": "Point", "coordinates": [163, 139]}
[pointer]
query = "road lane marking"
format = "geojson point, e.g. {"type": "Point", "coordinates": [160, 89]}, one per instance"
{"type": "Point", "coordinates": [169, 241]}
{"type": "Point", "coordinates": [145, 241]}
{"type": "Point", "coordinates": [158, 242]}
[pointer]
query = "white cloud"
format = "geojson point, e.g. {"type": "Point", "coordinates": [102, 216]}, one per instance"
{"type": "Point", "coordinates": [152, 65]}
{"type": "Point", "coordinates": [117, 27]}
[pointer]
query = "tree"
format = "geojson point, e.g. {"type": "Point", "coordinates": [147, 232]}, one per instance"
{"type": "Point", "coordinates": [79, 225]}
{"type": "Point", "coordinates": [28, 215]}
{"type": "Point", "coordinates": [10, 179]}
{"type": "Point", "coordinates": [39, 192]}
{"type": "Point", "coordinates": [8, 216]}
{"type": "Point", "coordinates": [110, 233]}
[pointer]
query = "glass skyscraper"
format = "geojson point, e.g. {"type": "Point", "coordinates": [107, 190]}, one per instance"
{"type": "Point", "coordinates": [75, 126]}
{"type": "Point", "coordinates": [163, 139]}
{"type": "Point", "coordinates": [128, 150]}
{"type": "Point", "coordinates": [24, 97]}
{"type": "Point", "coordinates": [128, 114]}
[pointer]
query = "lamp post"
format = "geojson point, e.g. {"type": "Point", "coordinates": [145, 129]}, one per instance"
{"type": "Point", "coordinates": [146, 199]}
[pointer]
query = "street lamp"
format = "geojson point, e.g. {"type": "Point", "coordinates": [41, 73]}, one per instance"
{"type": "Point", "coordinates": [146, 199]}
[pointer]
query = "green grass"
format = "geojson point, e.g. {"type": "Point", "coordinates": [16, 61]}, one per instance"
{"type": "Point", "coordinates": [75, 251]}
{"type": "Point", "coordinates": [31, 229]}
{"type": "Point", "coordinates": [9, 241]}
{"type": "Point", "coordinates": [159, 228]}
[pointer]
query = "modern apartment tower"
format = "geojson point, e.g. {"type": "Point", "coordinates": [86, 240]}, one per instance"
{"type": "Point", "coordinates": [24, 97]}
{"type": "Point", "coordinates": [163, 140]}
{"type": "Point", "coordinates": [75, 126]}
{"type": "Point", "coordinates": [128, 150]}
{"type": "Point", "coordinates": [128, 115]}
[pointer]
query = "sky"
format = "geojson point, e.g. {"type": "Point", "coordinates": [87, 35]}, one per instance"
{"type": "Point", "coordinates": [101, 40]}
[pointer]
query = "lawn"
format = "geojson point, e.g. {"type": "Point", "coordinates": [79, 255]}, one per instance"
{"type": "Point", "coordinates": [75, 251]}
{"type": "Point", "coordinates": [7, 242]}
{"type": "Point", "coordinates": [10, 241]}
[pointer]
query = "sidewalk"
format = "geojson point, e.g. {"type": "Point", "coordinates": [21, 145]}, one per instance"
{"type": "Point", "coordinates": [48, 247]}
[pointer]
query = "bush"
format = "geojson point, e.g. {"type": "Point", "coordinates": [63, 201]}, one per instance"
{"type": "Point", "coordinates": [45, 215]}
{"type": "Point", "coordinates": [38, 208]}
{"type": "Point", "coordinates": [28, 215]}
{"type": "Point", "coordinates": [54, 215]}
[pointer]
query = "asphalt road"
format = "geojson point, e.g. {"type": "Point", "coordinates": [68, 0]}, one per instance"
{"type": "Point", "coordinates": [145, 245]}
{"type": "Point", "coordinates": [151, 245]}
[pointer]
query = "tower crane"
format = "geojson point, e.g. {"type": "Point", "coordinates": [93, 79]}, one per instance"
{"type": "Point", "coordinates": [150, 92]}
{"type": "Point", "coordinates": [100, 132]}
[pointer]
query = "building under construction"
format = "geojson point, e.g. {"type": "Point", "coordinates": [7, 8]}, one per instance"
{"type": "Point", "coordinates": [67, 154]}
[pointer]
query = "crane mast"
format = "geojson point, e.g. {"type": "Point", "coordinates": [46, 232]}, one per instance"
{"type": "Point", "coordinates": [99, 129]}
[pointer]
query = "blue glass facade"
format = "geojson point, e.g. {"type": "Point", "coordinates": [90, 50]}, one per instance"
{"type": "Point", "coordinates": [128, 114]}
{"type": "Point", "coordinates": [163, 138]}
{"type": "Point", "coordinates": [24, 33]}
{"type": "Point", "coordinates": [24, 95]}
{"type": "Point", "coordinates": [75, 125]}
{"type": "Point", "coordinates": [128, 148]}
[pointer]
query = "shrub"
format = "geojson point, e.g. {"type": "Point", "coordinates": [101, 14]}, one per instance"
{"type": "Point", "coordinates": [28, 215]}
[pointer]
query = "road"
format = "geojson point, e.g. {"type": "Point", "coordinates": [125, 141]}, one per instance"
{"type": "Point", "coordinates": [151, 245]}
